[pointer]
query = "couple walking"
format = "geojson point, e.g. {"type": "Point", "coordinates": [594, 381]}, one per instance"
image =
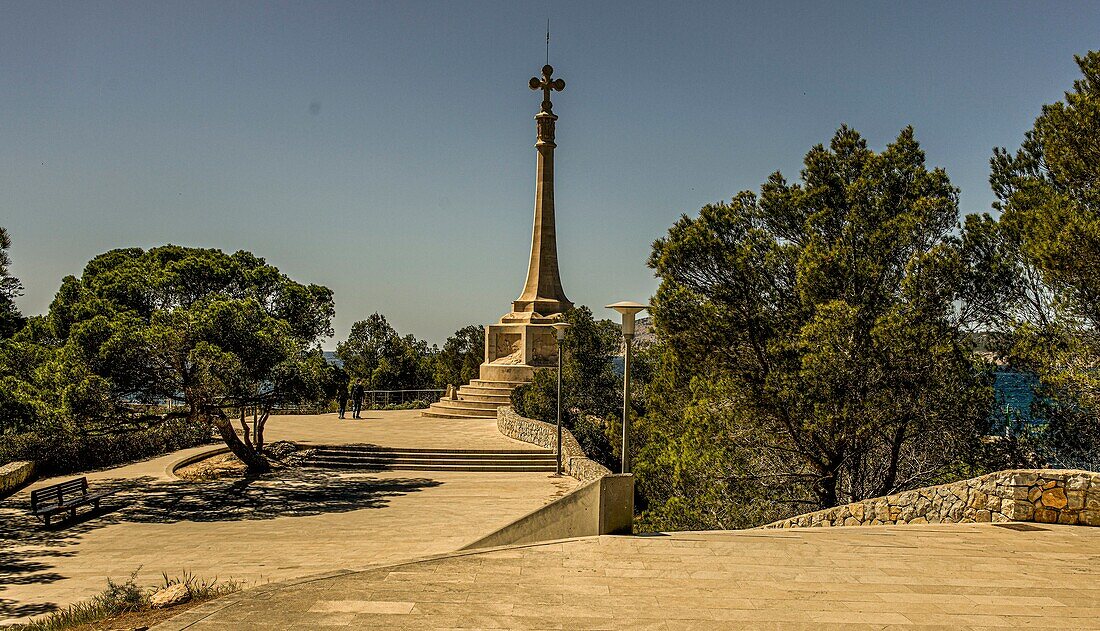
{"type": "Point", "coordinates": [356, 399]}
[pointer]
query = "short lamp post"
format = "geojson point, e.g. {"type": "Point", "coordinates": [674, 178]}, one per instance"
{"type": "Point", "coordinates": [559, 333]}
{"type": "Point", "coordinates": [628, 311]}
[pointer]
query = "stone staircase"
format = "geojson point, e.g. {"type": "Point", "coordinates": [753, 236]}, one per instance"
{"type": "Point", "coordinates": [478, 399]}
{"type": "Point", "coordinates": [387, 458]}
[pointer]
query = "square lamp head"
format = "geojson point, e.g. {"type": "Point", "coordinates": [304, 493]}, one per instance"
{"type": "Point", "coordinates": [559, 330]}
{"type": "Point", "coordinates": [628, 309]}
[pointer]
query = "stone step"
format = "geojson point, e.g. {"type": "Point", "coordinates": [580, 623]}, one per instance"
{"type": "Point", "coordinates": [374, 449]}
{"type": "Point", "coordinates": [372, 457]}
{"type": "Point", "coordinates": [484, 383]}
{"type": "Point", "coordinates": [446, 407]}
{"type": "Point", "coordinates": [377, 466]}
{"type": "Point", "coordinates": [398, 463]}
{"type": "Point", "coordinates": [334, 454]}
{"type": "Point", "coordinates": [435, 412]}
{"type": "Point", "coordinates": [470, 405]}
{"type": "Point", "coordinates": [490, 399]}
{"type": "Point", "coordinates": [488, 392]}
{"type": "Point", "coordinates": [466, 405]}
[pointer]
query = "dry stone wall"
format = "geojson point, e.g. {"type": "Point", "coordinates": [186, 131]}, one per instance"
{"type": "Point", "coordinates": [1049, 496]}
{"type": "Point", "coordinates": [574, 461]}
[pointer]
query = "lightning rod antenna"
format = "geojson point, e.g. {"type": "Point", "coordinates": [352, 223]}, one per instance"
{"type": "Point", "coordinates": [547, 41]}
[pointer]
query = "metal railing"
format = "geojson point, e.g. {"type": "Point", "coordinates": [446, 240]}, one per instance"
{"type": "Point", "coordinates": [382, 398]}
{"type": "Point", "coordinates": [372, 399]}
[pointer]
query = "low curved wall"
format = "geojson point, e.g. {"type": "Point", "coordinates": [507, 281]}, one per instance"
{"type": "Point", "coordinates": [545, 435]}
{"type": "Point", "coordinates": [170, 470]}
{"type": "Point", "coordinates": [1048, 496]}
{"type": "Point", "coordinates": [14, 475]}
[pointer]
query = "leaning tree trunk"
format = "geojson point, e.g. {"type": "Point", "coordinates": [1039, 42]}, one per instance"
{"type": "Point", "coordinates": [258, 422]}
{"type": "Point", "coordinates": [247, 454]}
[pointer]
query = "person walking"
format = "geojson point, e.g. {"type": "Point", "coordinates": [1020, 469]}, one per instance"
{"type": "Point", "coordinates": [357, 398]}
{"type": "Point", "coordinates": [342, 392]}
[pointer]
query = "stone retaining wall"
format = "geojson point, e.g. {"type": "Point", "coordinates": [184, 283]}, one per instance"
{"type": "Point", "coordinates": [1048, 496]}
{"type": "Point", "coordinates": [14, 475]}
{"type": "Point", "coordinates": [545, 435]}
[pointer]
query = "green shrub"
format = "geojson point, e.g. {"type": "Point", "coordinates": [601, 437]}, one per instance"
{"type": "Point", "coordinates": [417, 404]}
{"type": "Point", "coordinates": [63, 452]}
{"type": "Point", "coordinates": [591, 390]}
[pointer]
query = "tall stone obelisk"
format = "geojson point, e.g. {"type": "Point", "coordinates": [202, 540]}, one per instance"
{"type": "Point", "coordinates": [542, 293]}
{"type": "Point", "coordinates": [523, 339]}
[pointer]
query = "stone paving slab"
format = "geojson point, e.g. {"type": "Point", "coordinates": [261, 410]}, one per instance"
{"type": "Point", "coordinates": [283, 525]}
{"type": "Point", "coordinates": [943, 577]}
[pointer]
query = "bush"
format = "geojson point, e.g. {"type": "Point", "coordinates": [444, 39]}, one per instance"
{"type": "Point", "coordinates": [591, 390]}
{"type": "Point", "coordinates": [64, 452]}
{"type": "Point", "coordinates": [416, 404]}
{"type": "Point", "coordinates": [596, 435]}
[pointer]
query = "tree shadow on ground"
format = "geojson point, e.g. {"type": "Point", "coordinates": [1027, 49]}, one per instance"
{"type": "Point", "coordinates": [15, 569]}
{"type": "Point", "coordinates": [26, 547]}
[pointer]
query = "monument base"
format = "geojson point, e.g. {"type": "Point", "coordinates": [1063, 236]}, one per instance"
{"type": "Point", "coordinates": [517, 346]}
{"type": "Point", "coordinates": [508, 373]}
{"type": "Point", "coordinates": [522, 342]}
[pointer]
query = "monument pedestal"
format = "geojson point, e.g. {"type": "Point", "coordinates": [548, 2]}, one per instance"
{"type": "Point", "coordinates": [518, 345]}
{"type": "Point", "coordinates": [515, 347]}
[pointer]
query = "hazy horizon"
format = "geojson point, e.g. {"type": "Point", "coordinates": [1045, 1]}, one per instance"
{"type": "Point", "coordinates": [386, 150]}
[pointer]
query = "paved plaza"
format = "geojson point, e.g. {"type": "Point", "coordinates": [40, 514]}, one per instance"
{"type": "Point", "coordinates": [283, 525]}
{"type": "Point", "coordinates": [975, 576]}
{"type": "Point", "coordinates": [323, 548]}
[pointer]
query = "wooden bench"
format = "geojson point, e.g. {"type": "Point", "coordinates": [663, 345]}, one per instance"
{"type": "Point", "coordinates": [66, 496]}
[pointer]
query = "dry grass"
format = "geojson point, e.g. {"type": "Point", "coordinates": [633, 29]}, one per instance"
{"type": "Point", "coordinates": [146, 618]}
{"type": "Point", "coordinates": [280, 454]}
{"type": "Point", "coordinates": [126, 605]}
{"type": "Point", "coordinates": [212, 468]}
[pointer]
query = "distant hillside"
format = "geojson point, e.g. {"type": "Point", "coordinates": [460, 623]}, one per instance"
{"type": "Point", "coordinates": [643, 331]}
{"type": "Point", "coordinates": [643, 334]}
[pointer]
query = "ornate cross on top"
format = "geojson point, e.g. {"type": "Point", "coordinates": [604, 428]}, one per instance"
{"type": "Point", "coordinates": [546, 85]}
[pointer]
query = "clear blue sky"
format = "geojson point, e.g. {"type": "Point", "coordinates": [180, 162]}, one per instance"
{"type": "Point", "coordinates": [385, 149]}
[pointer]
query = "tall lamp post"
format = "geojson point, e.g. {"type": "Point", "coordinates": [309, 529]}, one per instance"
{"type": "Point", "coordinates": [628, 310]}
{"type": "Point", "coordinates": [559, 332]}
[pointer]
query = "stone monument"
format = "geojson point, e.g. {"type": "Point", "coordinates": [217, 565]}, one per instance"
{"type": "Point", "coordinates": [524, 339]}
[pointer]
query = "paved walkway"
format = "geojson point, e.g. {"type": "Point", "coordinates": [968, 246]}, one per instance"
{"type": "Point", "coordinates": [283, 525]}
{"type": "Point", "coordinates": [975, 576]}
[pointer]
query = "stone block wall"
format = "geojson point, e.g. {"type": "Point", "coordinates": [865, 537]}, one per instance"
{"type": "Point", "coordinates": [14, 475]}
{"type": "Point", "coordinates": [574, 461]}
{"type": "Point", "coordinates": [1049, 496]}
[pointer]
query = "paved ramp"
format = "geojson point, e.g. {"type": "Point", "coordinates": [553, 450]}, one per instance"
{"type": "Point", "coordinates": [891, 577]}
